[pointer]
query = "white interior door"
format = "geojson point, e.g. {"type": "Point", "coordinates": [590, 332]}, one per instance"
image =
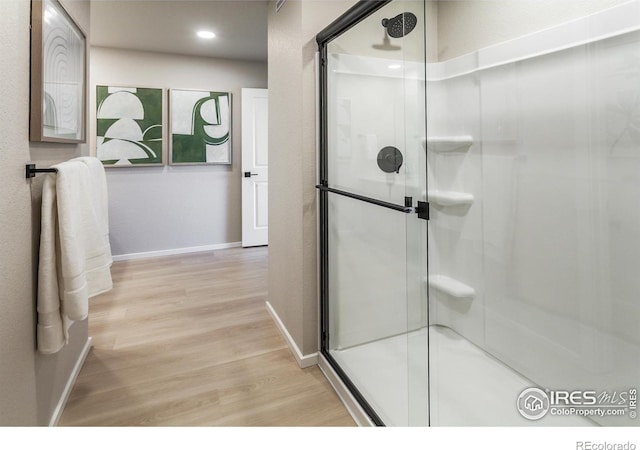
{"type": "Point", "coordinates": [255, 169]}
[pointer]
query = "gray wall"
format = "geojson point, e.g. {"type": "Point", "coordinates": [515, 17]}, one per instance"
{"type": "Point", "coordinates": [174, 207]}
{"type": "Point", "coordinates": [30, 384]}
{"type": "Point", "coordinates": [292, 164]}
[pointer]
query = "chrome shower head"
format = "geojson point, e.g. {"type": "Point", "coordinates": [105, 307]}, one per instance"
{"type": "Point", "coordinates": [400, 25]}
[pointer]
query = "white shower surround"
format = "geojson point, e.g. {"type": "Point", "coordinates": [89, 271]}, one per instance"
{"type": "Point", "coordinates": [551, 241]}
{"type": "Point", "coordinates": [550, 245]}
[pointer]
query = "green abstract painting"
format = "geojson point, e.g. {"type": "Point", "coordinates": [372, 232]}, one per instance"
{"type": "Point", "coordinates": [129, 126]}
{"type": "Point", "coordinates": [200, 127]}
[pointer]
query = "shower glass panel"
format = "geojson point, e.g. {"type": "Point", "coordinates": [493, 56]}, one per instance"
{"type": "Point", "coordinates": [375, 242]}
{"type": "Point", "coordinates": [534, 160]}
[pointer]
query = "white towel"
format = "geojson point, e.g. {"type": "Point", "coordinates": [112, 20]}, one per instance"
{"type": "Point", "coordinates": [99, 266]}
{"type": "Point", "coordinates": [75, 255]}
{"type": "Point", "coordinates": [50, 330]}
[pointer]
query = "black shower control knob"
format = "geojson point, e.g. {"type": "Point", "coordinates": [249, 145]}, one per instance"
{"type": "Point", "coordinates": [390, 160]}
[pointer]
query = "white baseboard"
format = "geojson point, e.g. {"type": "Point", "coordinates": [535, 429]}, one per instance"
{"type": "Point", "coordinates": [302, 360]}
{"type": "Point", "coordinates": [176, 251]}
{"type": "Point", "coordinates": [57, 413]}
{"type": "Point", "coordinates": [358, 414]}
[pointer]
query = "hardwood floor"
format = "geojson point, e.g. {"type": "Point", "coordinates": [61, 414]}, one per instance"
{"type": "Point", "coordinates": [186, 341]}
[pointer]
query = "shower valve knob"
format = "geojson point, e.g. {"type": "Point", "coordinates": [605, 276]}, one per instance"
{"type": "Point", "coordinates": [390, 160]}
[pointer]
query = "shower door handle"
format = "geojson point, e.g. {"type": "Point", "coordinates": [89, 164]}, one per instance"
{"type": "Point", "coordinates": [362, 198]}
{"type": "Point", "coordinates": [422, 209]}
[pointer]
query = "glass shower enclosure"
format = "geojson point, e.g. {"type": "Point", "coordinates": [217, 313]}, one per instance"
{"type": "Point", "coordinates": [478, 234]}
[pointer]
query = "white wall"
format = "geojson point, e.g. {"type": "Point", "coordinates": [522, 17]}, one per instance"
{"type": "Point", "coordinates": [467, 25]}
{"type": "Point", "coordinates": [174, 207]}
{"type": "Point", "coordinates": [31, 384]}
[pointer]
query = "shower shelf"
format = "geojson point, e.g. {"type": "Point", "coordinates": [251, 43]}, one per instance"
{"type": "Point", "coordinates": [450, 286]}
{"type": "Point", "coordinates": [449, 143]}
{"type": "Point", "coordinates": [450, 198]}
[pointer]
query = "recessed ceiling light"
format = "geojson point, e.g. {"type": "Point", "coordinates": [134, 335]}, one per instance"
{"type": "Point", "coordinates": [206, 34]}
{"type": "Point", "coordinates": [394, 66]}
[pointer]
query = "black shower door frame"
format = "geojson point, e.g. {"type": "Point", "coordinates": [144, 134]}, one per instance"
{"type": "Point", "coordinates": [350, 18]}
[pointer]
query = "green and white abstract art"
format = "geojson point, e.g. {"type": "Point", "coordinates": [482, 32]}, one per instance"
{"type": "Point", "coordinates": [129, 126]}
{"type": "Point", "coordinates": [200, 127]}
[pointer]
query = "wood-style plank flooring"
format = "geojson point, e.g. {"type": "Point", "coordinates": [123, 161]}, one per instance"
{"type": "Point", "coordinates": [186, 341]}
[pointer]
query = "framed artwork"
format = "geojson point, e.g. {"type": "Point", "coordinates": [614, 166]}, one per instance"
{"type": "Point", "coordinates": [200, 127]}
{"type": "Point", "coordinates": [58, 75]}
{"type": "Point", "coordinates": [129, 126]}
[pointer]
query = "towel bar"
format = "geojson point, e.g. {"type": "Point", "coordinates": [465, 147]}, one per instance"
{"type": "Point", "coordinates": [31, 170]}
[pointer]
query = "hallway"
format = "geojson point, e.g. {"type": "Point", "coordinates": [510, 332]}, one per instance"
{"type": "Point", "coordinates": [186, 341]}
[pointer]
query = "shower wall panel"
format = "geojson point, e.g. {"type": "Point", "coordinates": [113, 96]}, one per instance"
{"type": "Point", "coordinates": [455, 228]}
{"type": "Point", "coordinates": [551, 241]}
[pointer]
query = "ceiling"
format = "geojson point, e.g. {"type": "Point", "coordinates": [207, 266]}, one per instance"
{"type": "Point", "coordinates": [170, 26]}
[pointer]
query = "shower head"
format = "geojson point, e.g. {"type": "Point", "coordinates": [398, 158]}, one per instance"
{"type": "Point", "coordinates": [400, 25]}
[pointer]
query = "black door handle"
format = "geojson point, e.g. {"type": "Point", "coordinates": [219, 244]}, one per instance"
{"type": "Point", "coordinates": [249, 174]}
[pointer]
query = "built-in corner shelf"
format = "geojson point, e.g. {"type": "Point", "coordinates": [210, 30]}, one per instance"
{"type": "Point", "coordinates": [450, 286]}
{"type": "Point", "coordinates": [442, 144]}
{"type": "Point", "coordinates": [450, 198]}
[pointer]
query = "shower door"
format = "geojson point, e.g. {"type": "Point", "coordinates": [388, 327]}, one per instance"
{"type": "Point", "coordinates": [373, 208]}
{"type": "Point", "coordinates": [527, 313]}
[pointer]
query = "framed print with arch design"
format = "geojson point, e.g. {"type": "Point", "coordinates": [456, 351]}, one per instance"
{"type": "Point", "coordinates": [58, 75]}
{"type": "Point", "coordinates": [200, 127]}
{"type": "Point", "coordinates": [129, 128]}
